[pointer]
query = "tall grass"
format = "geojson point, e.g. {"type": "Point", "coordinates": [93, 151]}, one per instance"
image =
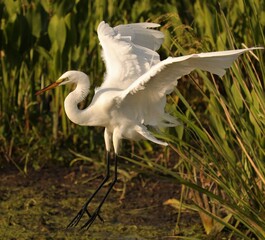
{"type": "Point", "coordinates": [220, 146]}
{"type": "Point", "coordinates": [39, 41]}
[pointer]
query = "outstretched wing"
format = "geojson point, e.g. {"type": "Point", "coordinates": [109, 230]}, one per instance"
{"type": "Point", "coordinates": [129, 51]}
{"type": "Point", "coordinates": [146, 96]}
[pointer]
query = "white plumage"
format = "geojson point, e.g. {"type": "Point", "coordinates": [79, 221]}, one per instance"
{"type": "Point", "coordinates": [133, 93]}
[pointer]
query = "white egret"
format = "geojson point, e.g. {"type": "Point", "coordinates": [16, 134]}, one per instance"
{"type": "Point", "coordinates": [133, 93]}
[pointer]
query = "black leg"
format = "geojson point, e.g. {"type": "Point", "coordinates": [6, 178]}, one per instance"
{"type": "Point", "coordinates": [84, 210]}
{"type": "Point", "coordinates": [97, 211]}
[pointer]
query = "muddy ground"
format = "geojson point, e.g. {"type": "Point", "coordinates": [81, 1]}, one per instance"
{"type": "Point", "coordinates": [41, 204]}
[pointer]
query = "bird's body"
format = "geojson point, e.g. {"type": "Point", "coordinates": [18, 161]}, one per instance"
{"type": "Point", "coordinates": [133, 93]}
{"type": "Point", "coordinates": [106, 110]}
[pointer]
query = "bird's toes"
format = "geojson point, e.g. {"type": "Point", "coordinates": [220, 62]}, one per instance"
{"type": "Point", "coordinates": [92, 219]}
{"type": "Point", "coordinates": [78, 217]}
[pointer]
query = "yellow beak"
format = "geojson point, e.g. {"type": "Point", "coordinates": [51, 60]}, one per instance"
{"type": "Point", "coordinates": [51, 86]}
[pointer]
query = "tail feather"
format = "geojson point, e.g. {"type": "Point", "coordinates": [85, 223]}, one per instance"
{"type": "Point", "coordinates": [142, 130]}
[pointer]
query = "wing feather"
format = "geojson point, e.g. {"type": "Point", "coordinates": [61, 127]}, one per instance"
{"type": "Point", "coordinates": [140, 35]}
{"type": "Point", "coordinates": [128, 51]}
{"type": "Point", "coordinates": [147, 95]}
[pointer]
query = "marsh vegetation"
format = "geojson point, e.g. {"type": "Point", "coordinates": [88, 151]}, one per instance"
{"type": "Point", "coordinates": [214, 166]}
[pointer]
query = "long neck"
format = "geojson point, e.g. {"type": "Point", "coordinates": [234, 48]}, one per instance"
{"type": "Point", "coordinates": [71, 103]}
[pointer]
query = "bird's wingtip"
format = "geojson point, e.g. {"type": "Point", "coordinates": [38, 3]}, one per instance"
{"type": "Point", "coordinates": [104, 29]}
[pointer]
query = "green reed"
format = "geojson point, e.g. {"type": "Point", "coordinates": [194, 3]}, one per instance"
{"type": "Point", "coordinates": [219, 146]}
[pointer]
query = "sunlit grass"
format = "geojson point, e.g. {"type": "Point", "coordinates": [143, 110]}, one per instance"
{"type": "Point", "coordinates": [223, 146]}
{"type": "Point", "coordinates": [220, 144]}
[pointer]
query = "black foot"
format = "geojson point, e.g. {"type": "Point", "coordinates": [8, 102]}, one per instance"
{"type": "Point", "coordinates": [79, 215]}
{"type": "Point", "coordinates": [92, 219]}
{"type": "Point", "coordinates": [77, 218]}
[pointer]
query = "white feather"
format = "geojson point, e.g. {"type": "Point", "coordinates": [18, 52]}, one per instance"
{"type": "Point", "coordinates": [147, 95]}
{"type": "Point", "coordinates": [133, 93]}
{"type": "Point", "coordinates": [128, 52]}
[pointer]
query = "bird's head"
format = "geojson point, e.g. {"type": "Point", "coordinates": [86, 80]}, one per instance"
{"type": "Point", "coordinates": [67, 77]}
